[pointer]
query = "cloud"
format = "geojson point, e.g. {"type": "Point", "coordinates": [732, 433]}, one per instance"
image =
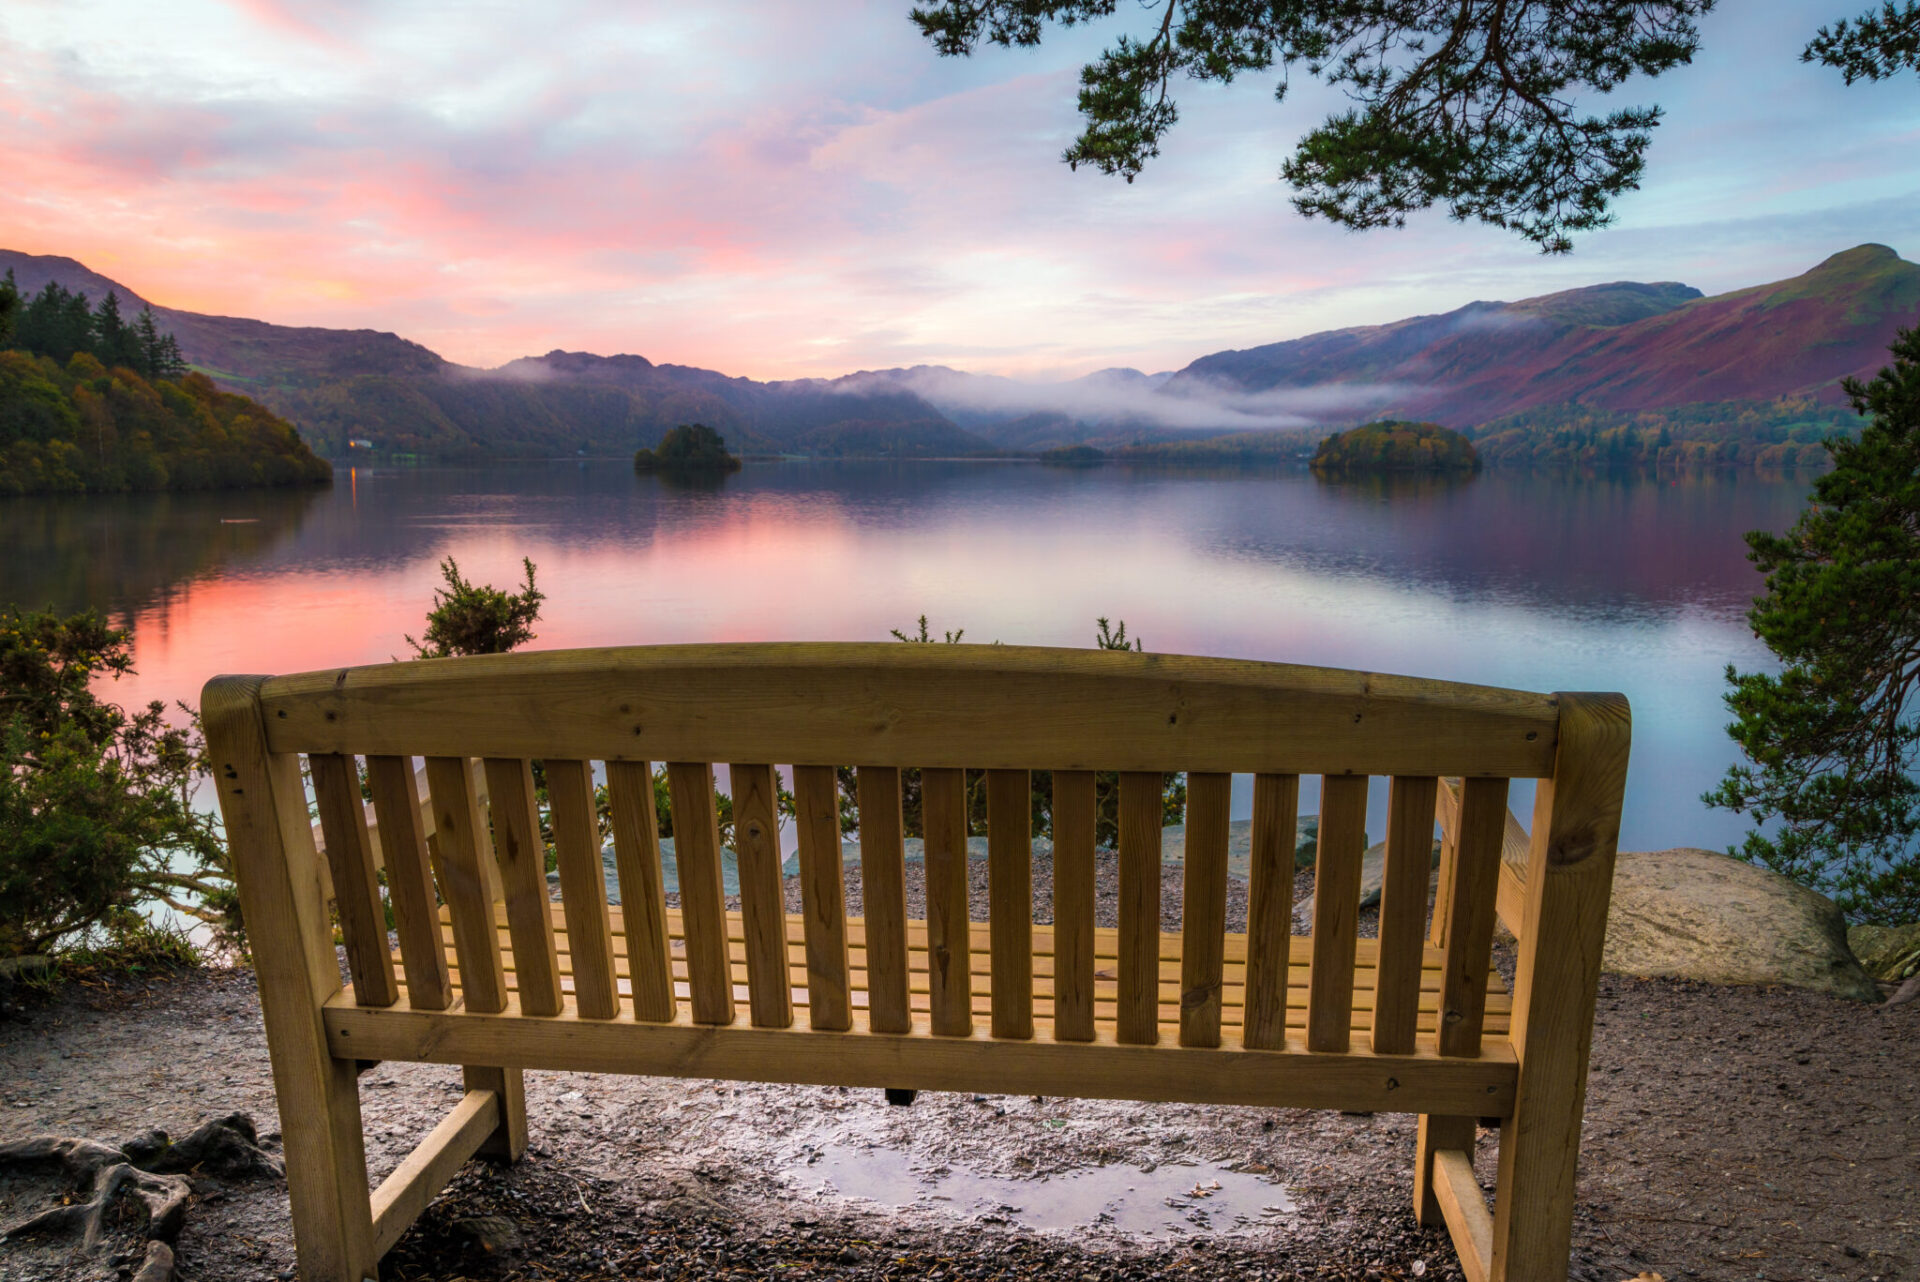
{"type": "Point", "coordinates": [788, 190]}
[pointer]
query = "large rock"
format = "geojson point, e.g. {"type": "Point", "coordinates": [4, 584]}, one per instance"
{"type": "Point", "coordinates": [1887, 952]}
{"type": "Point", "coordinates": [1699, 914]}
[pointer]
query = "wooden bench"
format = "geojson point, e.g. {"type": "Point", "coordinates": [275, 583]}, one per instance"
{"type": "Point", "coordinates": [491, 974]}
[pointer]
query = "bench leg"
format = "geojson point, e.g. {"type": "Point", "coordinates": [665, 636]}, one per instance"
{"type": "Point", "coordinates": [508, 1143]}
{"type": "Point", "coordinates": [1436, 1132]}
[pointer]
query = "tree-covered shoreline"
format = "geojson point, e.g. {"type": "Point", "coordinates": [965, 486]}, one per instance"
{"type": "Point", "coordinates": [80, 428]}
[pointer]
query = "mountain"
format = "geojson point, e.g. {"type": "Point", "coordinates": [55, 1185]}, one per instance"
{"type": "Point", "coordinates": [1617, 347]}
{"type": "Point", "coordinates": [339, 385]}
{"type": "Point", "coordinates": [1760, 365]}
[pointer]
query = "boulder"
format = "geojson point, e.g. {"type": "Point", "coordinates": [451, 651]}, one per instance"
{"type": "Point", "coordinates": [1887, 952]}
{"type": "Point", "coordinates": [1699, 914]}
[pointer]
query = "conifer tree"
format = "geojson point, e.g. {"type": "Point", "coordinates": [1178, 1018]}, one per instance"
{"type": "Point", "coordinates": [9, 308]}
{"type": "Point", "coordinates": [1833, 742]}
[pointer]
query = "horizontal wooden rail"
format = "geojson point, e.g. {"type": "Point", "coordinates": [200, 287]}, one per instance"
{"type": "Point", "coordinates": [401, 1197]}
{"type": "Point", "coordinates": [876, 704]}
{"type": "Point", "coordinates": [1100, 1069]}
{"type": "Point", "coordinates": [1464, 1207]}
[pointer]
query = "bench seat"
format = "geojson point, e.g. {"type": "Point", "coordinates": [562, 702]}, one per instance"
{"type": "Point", "coordinates": [1106, 971]}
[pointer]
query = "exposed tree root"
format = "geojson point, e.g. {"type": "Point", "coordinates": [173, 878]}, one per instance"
{"type": "Point", "coordinates": [147, 1177]}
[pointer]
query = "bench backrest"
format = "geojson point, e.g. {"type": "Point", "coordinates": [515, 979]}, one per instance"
{"type": "Point", "coordinates": [1447, 748]}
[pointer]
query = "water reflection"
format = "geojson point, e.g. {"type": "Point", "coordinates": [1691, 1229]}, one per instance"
{"type": "Point", "coordinates": [119, 553]}
{"type": "Point", "coordinates": [1636, 584]}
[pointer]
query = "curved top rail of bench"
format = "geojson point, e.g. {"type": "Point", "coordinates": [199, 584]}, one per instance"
{"type": "Point", "coordinates": [885, 704]}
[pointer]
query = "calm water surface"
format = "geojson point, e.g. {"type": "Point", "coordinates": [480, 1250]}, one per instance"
{"type": "Point", "coordinates": [1637, 585]}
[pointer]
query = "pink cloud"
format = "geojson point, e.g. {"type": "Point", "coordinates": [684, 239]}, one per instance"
{"type": "Point", "coordinates": [797, 190]}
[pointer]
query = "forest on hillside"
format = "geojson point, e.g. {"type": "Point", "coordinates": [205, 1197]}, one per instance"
{"type": "Point", "coordinates": [91, 402]}
{"type": "Point", "coordinates": [1784, 433]}
{"type": "Point", "coordinates": [80, 428]}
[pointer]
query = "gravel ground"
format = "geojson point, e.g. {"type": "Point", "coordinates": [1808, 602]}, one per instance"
{"type": "Point", "coordinates": [1697, 1095]}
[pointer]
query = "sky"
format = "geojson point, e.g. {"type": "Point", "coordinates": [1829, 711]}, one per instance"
{"type": "Point", "coordinates": [781, 189]}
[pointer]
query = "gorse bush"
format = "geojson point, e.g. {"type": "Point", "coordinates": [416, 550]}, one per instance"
{"type": "Point", "coordinates": [470, 619]}
{"type": "Point", "coordinates": [97, 820]}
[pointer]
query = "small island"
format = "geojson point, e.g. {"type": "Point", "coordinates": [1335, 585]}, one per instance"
{"type": "Point", "coordinates": [1073, 456]}
{"type": "Point", "coordinates": [690, 447]}
{"type": "Point", "coordinates": [1391, 446]}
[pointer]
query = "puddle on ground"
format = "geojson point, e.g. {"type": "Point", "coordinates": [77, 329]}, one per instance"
{"type": "Point", "coordinates": [1168, 1201]}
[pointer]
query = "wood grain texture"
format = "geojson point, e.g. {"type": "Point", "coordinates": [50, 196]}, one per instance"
{"type": "Point", "coordinates": [696, 854]}
{"type": "Point", "coordinates": [457, 828]}
{"type": "Point", "coordinates": [756, 843]}
{"type": "Point", "coordinates": [1510, 898]}
{"type": "Point", "coordinates": [1276, 809]}
{"type": "Point", "coordinates": [418, 1179]}
{"type": "Point", "coordinates": [823, 898]}
{"type": "Point", "coordinates": [1482, 821]}
{"type": "Point", "coordinates": [943, 811]}
{"type": "Point", "coordinates": [643, 903]}
{"type": "Point", "coordinates": [1436, 1132]}
{"type": "Point", "coordinates": [1013, 707]}
{"type": "Point", "coordinates": [1336, 910]}
{"type": "Point", "coordinates": [1464, 1207]}
{"type": "Point", "coordinates": [883, 892]}
{"type": "Point", "coordinates": [1403, 911]}
{"type": "Point", "coordinates": [521, 853]}
{"type": "Point", "coordinates": [583, 886]}
{"type": "Point", "coordinates": [356, 886]}
{"type": "Point", "coordinates": [1102, 1069]}
{"type": "Point", "coordinates": [1074, 803]}
{"type": "Point", "coordinates": [416, 919]}
{"type": "Point", "coordinates": [1141, 803]}
{"type": "Point", "coordinates": [1203, 922]}
{"type": "Point", "coordinates": [277, 870]}
{"type": "Point", "coordinates": [508, 1086]}
{"type": "Point", "coordinates": [1010, 899]}
{"type": "Point", "coordinates": [1569, 880]}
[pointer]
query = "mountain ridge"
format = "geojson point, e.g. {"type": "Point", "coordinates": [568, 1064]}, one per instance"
{"type": "Point", "coordinates": [1619, 347]}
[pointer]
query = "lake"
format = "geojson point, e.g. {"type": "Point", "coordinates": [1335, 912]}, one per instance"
{"type": "Point", "coordinates": [1633, 584]}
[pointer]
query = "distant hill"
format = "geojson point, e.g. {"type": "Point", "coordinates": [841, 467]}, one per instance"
{"type": "Point", "coordinates": [1617, 347]}
{"type": "Point", "coordinates": [1561, 375]}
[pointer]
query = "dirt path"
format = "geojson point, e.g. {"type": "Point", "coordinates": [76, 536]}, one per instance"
{"type": "Point", "coordinates": [1731, 1134]}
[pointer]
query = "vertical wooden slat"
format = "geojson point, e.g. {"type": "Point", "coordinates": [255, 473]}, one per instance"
{"type": "Point", "coordinates": [1073, 897]}
{"type": "Point", "coordinates": [1336, 911]}
{"type": "Point", "coordinates": [1443, 813]}
{"type": "Point", "coordinates": [1276, 813]}
{"type": "Point", "coordinates": [1403, 912]}
{"type": "Point", "coordinates": [756, 846]}
{"type": "Point", "coordinates": [943, 812]}
{"type": "Point", "coordinates": [583, 887]}
{"type": "Point", "coordinates": [1203, 916]}
{"type": "Point", "coordinates": [883, 892]}
{"type": "Point", "coordinates": [1010, 900]}
{"type": "Point", "coordinates": [416, 918]}
{"type": "Point", "coordinates": [457, 829]}
{"type": "Point", "coordinates": [823, 903]}
{"type": "Point", "coordinates": [1576, 825]}
{"type": "Point", "coordinates": [522, 856]}
{"type": "Point", "coordinates": [643, 903]}
{"type": "Point", "coordinates": [703, 905]}
{"type": "Point", "coordinates": [1137, 1017]}
{"type": "Point", "coordinates": [356, 887]}
{"type": "Point", "coordinates": [1463, 983]}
